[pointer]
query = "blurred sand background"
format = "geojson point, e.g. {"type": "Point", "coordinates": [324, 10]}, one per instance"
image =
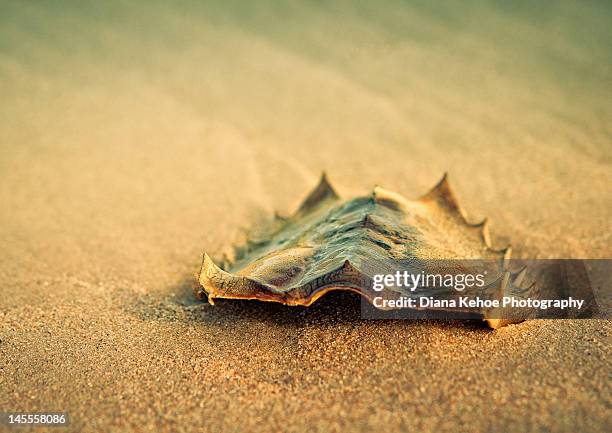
{"type": "Point", "coordinates": [136, 135]}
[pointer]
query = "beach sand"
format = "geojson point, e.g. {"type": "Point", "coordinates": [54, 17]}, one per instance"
{"type": "Point", "coordinates": [133, 138]}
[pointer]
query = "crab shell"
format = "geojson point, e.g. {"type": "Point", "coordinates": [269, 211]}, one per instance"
{"type": "Point", "coordinates": [335, 244]}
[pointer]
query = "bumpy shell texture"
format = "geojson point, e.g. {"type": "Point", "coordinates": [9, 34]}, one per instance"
{"type": "Point", "coordinates": [335, 244]}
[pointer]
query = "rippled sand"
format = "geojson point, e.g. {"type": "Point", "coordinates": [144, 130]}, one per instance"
{"type": "Point", "coordinates": [134, 137]}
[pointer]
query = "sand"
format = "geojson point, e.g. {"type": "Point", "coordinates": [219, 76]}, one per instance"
{"type": "Point", "coordinates": [133, 138]}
